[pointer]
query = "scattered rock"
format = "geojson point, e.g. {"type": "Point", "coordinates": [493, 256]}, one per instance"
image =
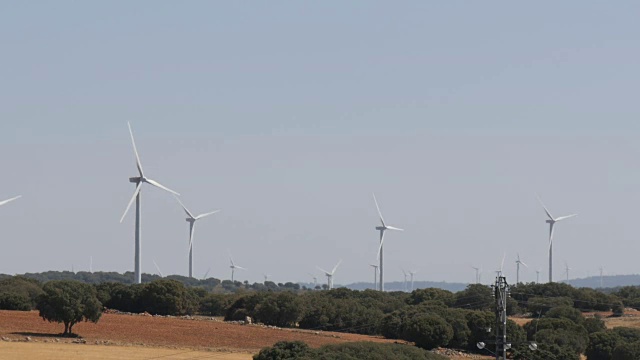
{"type": "Point", "coordinates": [4, 338]}
{"type": "Point", "coordinates": [79, 341]}
{"type": "Point", "coordinates": [57, 340]}
{"type": "Point", "coordinates": [28, 338]}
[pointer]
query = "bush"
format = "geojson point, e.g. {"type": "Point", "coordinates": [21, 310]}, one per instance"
{"type": "Point", "coordinates": [601, 345]}
{"type": "Point", "coordinates": [13, 301]}
{"type": "Point", "coordinates": [629, 351]}
{"type": "Point", "coordinates": [427, 331]}
{"type": "Point", "coordinates": [431, 294]}
{"type": "Point", "coordinates": [594, 324]}
{"type": "Point", "coordinates": [278, 309]}
{"type": "Point", "coordinates": [167, 297]}
{"type": "Point", "coordinates": [283, 350]}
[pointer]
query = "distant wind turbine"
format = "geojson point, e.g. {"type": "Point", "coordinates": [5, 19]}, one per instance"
{"type": "Point", "coordinates": [266, 277]}
{"type": "Point", "coordinates": [382, 229]}
{"type": "Point", "coordinates": [404, 284]}
{"type": "Point", "coordinates": [375, 276]}
{"type": "Point", "coordinates": [566, 269]}
{"type": "Point", "coordinates": [601, 272]}
{"type": "Point", "coordinates": [139, 180]}
{"type": "Point", "coordinates": [234, 267]}
{"type": "Point", "coordinates": [315, 280]}
{"type": "Point", "coordinates": [330, 274]}
{"type": "Point", "coordinates": [191, 219]}
{"type": "Point", "coordinates": [91, 264]}
{"type": "Point", "coordinates": [412, 273]}
{"type": "Point", "coordinates": [204, 277]}
{"type": "Point", "coordinates": [538, 276]}
{"type": "Point", "coordinates": [518, 263]}
{"type": "Point", "coordinates": [551, 221]}
{"type": "Point", "coordinates": [477, 269]}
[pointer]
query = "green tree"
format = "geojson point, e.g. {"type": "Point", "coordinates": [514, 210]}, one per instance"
{"type": "Point", "coordinates": [168, 297]}
{"type": "Point", "coordinates": [475, 297]}
{"type": "Point", "coordinates": [628, 351]}
{"type": "Point", "coordinates": [431, 294]}
{"type": "Point", "coordinates": [427, 331]}
{"type": "Point", "coordinates": [69, 302]}
{"type": "Point", "coordinates": [602, 344]}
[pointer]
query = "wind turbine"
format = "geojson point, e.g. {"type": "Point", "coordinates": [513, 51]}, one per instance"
{"type": "Point", "coordinates": [404, 284]}
{"type": "Point", "coordinates": [91, 264]}
{"type": "Point", "coordinates": [330, 274]}
{"type": "Point", "coordinates": [266, 277]}
{"type": "Point", "coordinates": [375, 275]}
{"type": "Point", "coordinates": [538, 276]}
{"type": "Point", "coordinates": [234, 267]}
{"type": "Point", "coordinates": [601, 272]}
{"type": "Point", "coordinates": [382, 229]}
{"type": "Point", "coordinates": [411, 273]}
{"type": "Point", "coordinates": [192, 222]}
{"type": "Point", "coordinates": [139, 180]}
{"type": "Point", "coordinates": [477, 269]}
{"type": "Point", "coordinates": [315, 280]}
{"type": "Point", "coordinates": [518, 263]}
{"type": "Point", "coordinates": [551, 221]}
{"type": "Point", "coordinates": [566, 269]}
{"type": "Point", "coordinates": [9, 200]}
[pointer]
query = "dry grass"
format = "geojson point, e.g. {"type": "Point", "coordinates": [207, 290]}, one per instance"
{"type": "Point", "coordinates": [62, 351]}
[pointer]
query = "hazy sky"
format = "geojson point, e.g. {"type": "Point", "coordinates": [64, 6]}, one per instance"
{"type": "Point", "coordinates": [288, 115]}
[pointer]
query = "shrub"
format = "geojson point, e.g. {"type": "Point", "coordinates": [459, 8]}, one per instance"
{"type": "Point", "coordinates": [601, 345]}
{"type": "Point", "coordinates": [427, 331]}
{"type": "Point", "coordinates": [283, 350]}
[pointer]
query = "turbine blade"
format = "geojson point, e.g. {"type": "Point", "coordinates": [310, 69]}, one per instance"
{"type": "Point", "coordinates": [324, 271]}
{"type": "Point", "coordinates": [565, 217]}
{"type": "Point", "coordinates": [135, 150]}
{"type": "Point", "coordinates": [503, 257]}
{"type": "Point", "coordinates": [9, 200]}
{"type": "Point", "coordinates": [240, 267]}
{"type": "Point", "coordinates": [158, 185]}
{"type": "Point", "coordinates": [336, 267]}
{"type": "Point", "coordinates": [545, 208]}
{"type": "Point", "coordinates": [394, 228]}
{"type": "Point", "coordinates": [192, 229]}
{"type": "Point", "coordinates": [379, 212]}
{"type": "Point", "coordinates": [206, 214]}
{"type": "Point", "coordinates": [184, 208]}
{"type": "Point", "coordinates": [135, 193]}
{"type": "Point", "coordinates": [205, 274]}
{"type": "Point", "coordinates": [525, 265]}
{"type": "Point", "coordinates": [157, 267]}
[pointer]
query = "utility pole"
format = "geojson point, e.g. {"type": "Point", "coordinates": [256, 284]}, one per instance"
{"type": "Point", "coordinates": [501, 292]}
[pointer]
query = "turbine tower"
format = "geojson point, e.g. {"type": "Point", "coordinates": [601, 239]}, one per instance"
{"type": "Point", "coordinates": [266, 277]}
{"type": "Point", "coordinates": [518, 263]}
{"type": "Point", "coordinates": [315, 280]}
{"type": "Point", "coordinates": [551, 221]}
{"type": "Point", "coordinates": [192, 222]}
{"type": "Point", "coordinates": [139, 180]}
{"type": "Point", "coordinates": [538, 276]}
{"type": "Point", "coordinates": [375, 276]}
{"type": "Point", "coordinates": [330, 274]}
{"type": "Point", "coordinates": [382, 229]}
{"type": "Point", "coordinates": [601, 272]}
{"type": "Point", "coordinates": [234, 267]}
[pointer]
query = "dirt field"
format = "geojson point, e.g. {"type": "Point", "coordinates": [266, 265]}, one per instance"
{"type": "Point", "coordinates": [156, 334]}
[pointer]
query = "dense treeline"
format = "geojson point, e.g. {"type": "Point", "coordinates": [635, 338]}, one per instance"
{"type": "Point", "coordinates": [357, 350]}
{"type": "Point", "coordinates": [427, 317]}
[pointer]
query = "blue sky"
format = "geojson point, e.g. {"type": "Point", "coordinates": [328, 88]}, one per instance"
{"type": "Point", "coordinates": [287, 116]}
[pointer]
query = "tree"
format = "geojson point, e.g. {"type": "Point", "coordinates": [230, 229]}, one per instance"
{"type": "Point", "coordinates": [427, 331]}
{"type": "Point", "coordinates": [167, 297]}
{"type": "Point", "coordinates": [68, 302]}
{"type": "Point", "coordinates": [283, 350]}
{"type": "Point", "coordinates": [602, 344]}
{"type": "Point", "coordinates": [630, 351]}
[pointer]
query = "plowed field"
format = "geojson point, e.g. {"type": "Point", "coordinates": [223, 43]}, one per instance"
{"type": "Point", "coordinates": [178, 333]}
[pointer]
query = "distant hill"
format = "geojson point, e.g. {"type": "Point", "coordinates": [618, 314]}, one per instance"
{"type": "Point", "coordinates": [399, 285]}
{"type": "Point", "coordinates": [608, 281]}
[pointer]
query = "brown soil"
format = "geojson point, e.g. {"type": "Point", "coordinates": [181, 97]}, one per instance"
{"type": "Point", "coordinates": [168, 332]}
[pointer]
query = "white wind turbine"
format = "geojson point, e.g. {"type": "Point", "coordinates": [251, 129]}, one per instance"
{"type": "Point", "coordinates": [266, 277]}
{"type": "Point", "coordinates": [601, 272]}
{"type": "Point", "coordinates": [477, 269]}
{"type": "Point", "coordinates": [412, 273]}
{"type": "Point", "coordinates": [330, 274]}
{"type": "Point", "coordinates": [566, 269]}
{"type": "Point", "coordinates": [404, 284]}
{"type": "Point", "coordinates": [192, 222]}
{"type": "Point", "coordinates": [518, 263]}
{"type": "Point", "coordinates": [315, 280]}
{"type": "Point", "coordinates": [551, 221]}
{"type": "Point", "coordinates": [538, 276]}
{"type": "Point", "coordinates": [139, 180]}
{"type": "Point", "coordinates": [234, 267]}
{"type": "Point", "coordinates": [375, 276]}
{"type": "Point", "coordinates": [9, 200]}
{"type": "Point", "coordinates": [382, 229]}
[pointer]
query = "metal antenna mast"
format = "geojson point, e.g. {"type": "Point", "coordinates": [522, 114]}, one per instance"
{"type": "Point", "coordinates": [501, 292]}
